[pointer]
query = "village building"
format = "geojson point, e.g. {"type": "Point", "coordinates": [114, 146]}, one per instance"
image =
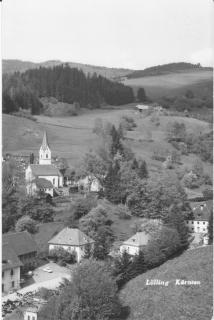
{"type": "Point", "coordinates": [142, 107]}
{"type": "Point", "coordinates": [10, 269]}
{"type": "Point", "coordinates": [136, 243]}
{"type": "Point", "coordinates": [43, 176]}
{"type": "Point", "coordinates": [201, 213]}
{"type": "Point", "coordinates": [22, 244]}
{"type": "Point", "coordinates": [72, 240]}
{"type": "Point", "coordinates": [89, 183]}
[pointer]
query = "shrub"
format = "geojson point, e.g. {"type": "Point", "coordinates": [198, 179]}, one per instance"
{"type": "Point", "coordinates": [63, 256]}
{"type": "Point", "coordinates": [122, 212]}
{"type": "Point", "coordinates": [127, 123]}
{"type": "Point", "coordinates": [26, 223]}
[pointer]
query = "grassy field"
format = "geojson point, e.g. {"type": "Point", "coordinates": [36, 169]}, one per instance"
{"type": "Point", "coordinates": [173, 302]}
{"type": "Point", "coordinates": [72, 137]}
{"type": "Point", "coordinates": [200, 82]}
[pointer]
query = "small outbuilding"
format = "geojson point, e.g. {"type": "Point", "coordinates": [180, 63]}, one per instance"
{"type": "Point", "coordinates": [136, 243]}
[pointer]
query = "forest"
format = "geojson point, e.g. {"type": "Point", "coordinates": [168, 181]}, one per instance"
{"type": "Point", "coordinates": [24, 90]}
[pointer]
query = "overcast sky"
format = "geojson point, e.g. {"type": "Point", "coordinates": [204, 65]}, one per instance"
{"type": "Point", "coordinates": [114, 33]}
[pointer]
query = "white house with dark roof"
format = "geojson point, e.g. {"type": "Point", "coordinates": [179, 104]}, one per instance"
{"type": "Point", "coordinates": [201, 213]}
{"type": "Point", "coordinates": [72, 240]}
{"type": "Point", "coordinates": [136, 243]}
{"type": "Point", "coordinates": [10, 269]}
{"type": "Point", "coordinates": [44, 175]}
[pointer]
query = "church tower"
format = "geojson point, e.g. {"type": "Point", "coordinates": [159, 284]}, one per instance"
{"type": "Point", "coordinates": [45, 151]}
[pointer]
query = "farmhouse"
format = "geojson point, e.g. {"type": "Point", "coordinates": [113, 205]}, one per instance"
{"type": "Point", "coordinates": [43, 176]}
{"type": "Point", "coordinates": [22, 244]}
{"type": "Point", "coordinates": [201, 213]}
{"type": "Point", "coordinates": [72, 240]}
{"type": "Point", "coordinates": [136, 243]}
{"type": "Point", "coordinates": [142, 107]}
{"type": "Point", "coordinates": [10, 269]}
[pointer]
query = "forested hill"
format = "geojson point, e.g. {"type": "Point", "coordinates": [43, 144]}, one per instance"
{"type": "Point", "coordinates": [23, 90]}
{"type": "Point", "coordinates": [167, 69]}
{"type": "Point", "coordinates": [11, 66]}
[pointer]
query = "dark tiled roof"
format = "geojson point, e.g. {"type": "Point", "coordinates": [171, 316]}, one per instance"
{"type": "Point", "coordinates": [139, 239]}
{"type": "Point", "coordinates": [9, 258]}
{"type": "Point", "coordinates": [201, 210]}
{"type": "Point", "coordinates": [44, 170]}
{"type": "Point", "coordinates": [21, 242]}
{"type": "Point", "coordinates": [43, 183]}
{"type": "Point", "coordinates": [71, 237]}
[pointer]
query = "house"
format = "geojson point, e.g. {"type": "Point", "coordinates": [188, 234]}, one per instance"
{"type": "Point", "coordinates": [201, 213]}
{"type": "Point", "coordinates": [10, 269]}
{"type": "Point", "coordinates": [136, 243]}
{"type": "Point", "coordinates": [142, 107]}
{"type": "Point", "coordinates": [22, 244]}
{"type": "Point", "coordinates": [89, 183]}
{"type": "Point", "coordinates": [44, 170]}
{"type": "Point", "coordinates": [72, 240]}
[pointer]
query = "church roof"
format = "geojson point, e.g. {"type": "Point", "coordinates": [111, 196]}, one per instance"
{"type": "Point", "coordinates": [21, 242]}
{"type": "Point", "coordinates": [9, 257]}
{"type": "Point", "coordinates": [71, 237]}
{"type": "Point", "coordinates": [45, 144]}
{"type": "Point", "coordinates": [44, 170]}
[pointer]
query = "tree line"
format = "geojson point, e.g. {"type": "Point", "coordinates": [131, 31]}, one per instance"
{"type": "Point", "coordinates": [23, 90]}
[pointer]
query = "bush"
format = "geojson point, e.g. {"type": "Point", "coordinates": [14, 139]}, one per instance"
{"type": "Point", "coordinates": [208, 193]}
{"type": "Point", "coordinates": [26, 223]}
{"type": "Point", "coordinates": [23, 113]}
{"type": "Point", "coordinates": [190, 180]}
{"type": "Point", "coordinates": [62, 256]}
{"type": "Point", "coordinates": [127, 123]}
{"type": "Point", "coordinates": [122, 212]}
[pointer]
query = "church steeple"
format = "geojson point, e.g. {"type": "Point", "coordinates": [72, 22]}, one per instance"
{"type": "Point", "coordinates": [45, 151]}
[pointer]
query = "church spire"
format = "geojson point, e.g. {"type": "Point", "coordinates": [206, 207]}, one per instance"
{"type": "Point", "coordinates": [45, 144]}
{"type": "Point", "coordinates": [45, 151]}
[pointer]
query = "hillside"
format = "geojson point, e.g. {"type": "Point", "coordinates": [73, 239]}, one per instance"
{"type": "Point", "coordinates": [172, 302]}
{"type": "Point", "coordinates": [10, 66]}
{"type": "Point", "coordinates": [175, 84]}
{"type": "Point", "coordinates": [167, 69]}
{"type": "Point", "coordinates": [72, 137]}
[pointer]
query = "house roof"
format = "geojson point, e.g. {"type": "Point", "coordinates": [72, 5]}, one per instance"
{"type": "Point", "coordinates": [21, 242]}
{"type": "Point", "coordinates": [43, 183]}
{"type": "Point", "coordinates": [71, 237]}
{"type": "Point", "coordinates": [45, 144]}
{"type": "Point", "coordinates": [201, 210]}
{"type": "Point", "coordinates": [138, 240]}
{"type": "Point", "coordinates": [44, 170]}
{"type": "Point", "coordinates": [9, 257]}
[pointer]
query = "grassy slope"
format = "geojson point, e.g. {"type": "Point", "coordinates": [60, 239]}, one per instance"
{"type": "Point", "coordinates": [72, 137]}
{"type": "Point", "coordinates": [173, 302]}
{"type": "Point", "coordinates": [173, 84]}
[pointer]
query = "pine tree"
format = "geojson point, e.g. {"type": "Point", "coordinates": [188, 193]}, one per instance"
{"type": "Point", "coordinates": [112, 183]}
{"type": "Point", "coordinates": [143, 171]}
{"type": "Point", "coordinates": [141, 95]}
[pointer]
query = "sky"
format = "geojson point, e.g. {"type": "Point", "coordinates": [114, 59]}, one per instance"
{"type": "Point", "coordinates": [114, 33]}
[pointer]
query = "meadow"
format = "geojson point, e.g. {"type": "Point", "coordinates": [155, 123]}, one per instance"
{"type": "Point", "coordinates": [72, 137]}
{"type": "Point", "coordinates": [200, 82]}
{"type": "Point", "coordinates": [185, 302]}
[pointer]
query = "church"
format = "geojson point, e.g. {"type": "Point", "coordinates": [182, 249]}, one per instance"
{"type": "Point", "coordinates": [43, 176]}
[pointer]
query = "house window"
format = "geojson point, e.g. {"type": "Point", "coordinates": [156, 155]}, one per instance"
{"type": "Point", "coordinates": [192, 222]}
{"type": "Point", "coordinates": [46, 155]}
{"type": "Point", "coordinates": [28, 317]}
{"type": "Point", "coordinates": [11, 272]}
{"type": "Point", "coordinates": [197, 222]}
{"type": "Point", "coordinates": [204, 229]}
{"type": "Point", "coordinates": [2, 274]}
{"type": "Point", "coordinates": [13, 284]}
{"type": "Point", "coordinates": [2, 287]}
{"type": "Point", "coordinates": [203, 222]}
{"type": "Point", "coordinates": [33, 318]}
{"type": "Point", "coordinates": [192, 228]}
{"type": "Point", "coordinates": [53, 181]}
